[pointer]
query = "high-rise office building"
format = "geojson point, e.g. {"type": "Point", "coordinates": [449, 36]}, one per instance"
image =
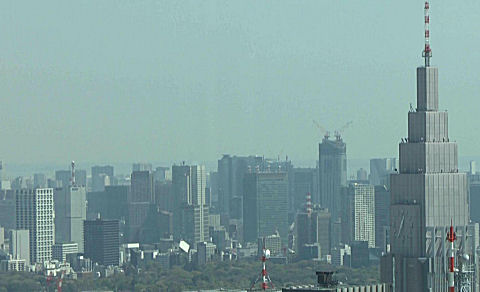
{"type": "Point", "coordinates": [332, 174]}
{"type": "Point", "coordinates": [303, 183]}
{"type": "Point", "coordinates": [102, 241]}
{"type": "Point", "coordinates": [64, 177]}
{"type": "Point", "coordinates": [142, 167]}
{"type": "Point", "coordinates": [231, 170]}
{"type": "Point", "coordinates": [162, 174]}
{"type": "Point", "coordinates": [358, 214]}
{"type": "Point", "coordinates": [139, 203]}
{"type": "Point", "coordinates": [364, 213]}
{"type": "Point", "coordinates": [101, 176]}
{"type": "Point", "coordinates": [39, 180]}
{"type": "Point", "coordinates": [265, 205]}
{"type": "Point", "coordinates": [427, 196]}
{"type": "Point", "coordinates": [362, 175]}
{"type": "Point", "coordinates": [190, 214]}
{"type": "Point", "coordinates": [112, 203]}
{"type": "Point", "coordinates": [35, 211]}
{"type": "Point", "coordinates": [380, 170]}
{"type": "Point", "coordinates": [70, 212]}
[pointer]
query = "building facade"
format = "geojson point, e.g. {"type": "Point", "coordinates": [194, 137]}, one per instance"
{"type": "Point", "coordinates": [34, 210]}
{"type": "Point", "coordinates": [139, 203]}
{"type": "Point", "coordinates": [70, 212]}
{"type": "Point", "coordinates": [190, 215]}
{"type": "Point", "coordinates": [265, 205]}
{"type": "Point", "coordinates": [102, 244]}
{"type": "Point", "coordinates": [427, 196]}
{"type": "Point", "coordinates": [332, 169]}
{"type": "Point", "coordinates": [101, 175]}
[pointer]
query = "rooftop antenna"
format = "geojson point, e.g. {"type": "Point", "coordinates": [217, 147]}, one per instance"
{"type": "Point", "coordinates": [427, 52]}
{"type": "Point", "coordinates": [451, 237]}
{"type": "Point", "coordinates": [72, 179]}
{"type": "Point", "coordinates": [264, 277]}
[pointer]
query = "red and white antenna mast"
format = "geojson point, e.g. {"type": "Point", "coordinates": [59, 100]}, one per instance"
{"type": "Point", "coordinates": [72, 179]}
{"type": "Point", "coordinates": [264, 275]}
{"type": "Point", "coordinates": [451, 237]}
{"type": "Point", "coordinates": [308, 205]}
{"type": "Point", "coordinates": [427, 51]}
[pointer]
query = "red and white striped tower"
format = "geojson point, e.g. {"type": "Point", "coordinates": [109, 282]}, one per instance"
{"type": "Point", "coordinates": [72, 179]}
{"type": "Point", "coordinates": [427, 51]}
{"type": "Point", "coordinates": [451, 237]}
{"type": "Point", "coordinates": [264, 275]}
{"type": "Point", "coordinates": [264, 270]}
{"type": "Point", "coordinates": [308, 205]}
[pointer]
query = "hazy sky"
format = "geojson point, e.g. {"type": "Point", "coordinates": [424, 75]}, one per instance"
{"type": "Point", "coordinates": [103, 81]}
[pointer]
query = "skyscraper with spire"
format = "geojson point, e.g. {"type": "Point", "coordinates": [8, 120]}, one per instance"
{"type": "Point", "coordinates": [427, 194]}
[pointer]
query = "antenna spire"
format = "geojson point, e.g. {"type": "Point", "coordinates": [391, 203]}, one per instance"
{"type": "Point", "coordinates": [427, 52]}
{"type": "Point", "coordinates": [72, 178]}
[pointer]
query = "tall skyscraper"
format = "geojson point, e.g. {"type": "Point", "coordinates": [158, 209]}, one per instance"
{"type": "Point", "coordinates": [64, 177]}
{"type": "Point", "coordinates": [265, 205]}
{"type": "Point", "coordinates": [39, 180]}
{"type": "Point", "coordinates": [70, 212]}
{"type": "Point", "coordinates": [380, 170]}
{"type": "Point", "coordinates": [190, 212]}
{"type": "Point", "coordinates": [358, 214]}
{"type": "Point", "coordinates": [100, 176]}
{"type": "Point", "coordinates": [427, 196]}
{"type": "Point", "coordinates": [303, 183]}
{"type": "Point", "coordinates": [231, 170]}
{"type": "Point", "coordinates": [332, 174]}
{"type": "Point", "coordinates": [139, 203]}
{"type": "Point", "coordinates": [141, 167]}
{"type": "Point", "coordinates": [102, 241]}
{"type": "Point", "coordinates": [35, 212]}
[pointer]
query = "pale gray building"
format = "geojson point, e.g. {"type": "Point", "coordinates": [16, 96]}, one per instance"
{"type": "Point", "coordinates": [380, 170]}
{"type": "Point", "coordinates": [190, 220]}
{"type": "Point", "coordinates": [20, 245]}
{"type": "Point", "coordinates": [61, 250]}
{"type": "Point", "coordinates": [427, 195]}
{"type": "Point", "coordinates": [70, 212]}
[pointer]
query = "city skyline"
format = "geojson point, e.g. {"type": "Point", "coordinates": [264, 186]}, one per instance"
{"type": "Point", "coordinates": [170, 62]}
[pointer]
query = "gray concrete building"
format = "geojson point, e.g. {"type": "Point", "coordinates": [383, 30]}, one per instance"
{"type": "Point", "coordinates": [64, 177]}
{"type": "Point", "coordinates": [190, 215]}
{"type": "Point", "coordinates": [380, 170]}
{"type": "Point", "coordinates": [303, 183]}
{"type": "Point", "coordinates": [70, 212]}
{"type": "Point", "coordinates": [139, 203]}
{"type": "Point", "coordinates": [60, 251]}
{"type": "Point", "coordinates": [20, 245]}
{"type": "Point", "coordinates": [382, 216]}
{"type": "Point", "coordinates": [427, 195]}
{"type": "Point", "coordinates": [101, 175]}
{"type": "Point", "coordinates": [265, 205]}
{"type": "Point", "coordinates": [39, 180]}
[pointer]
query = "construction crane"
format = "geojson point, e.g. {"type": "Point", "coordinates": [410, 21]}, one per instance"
{"type": "Point", "coordinates": [339, 132]}
{"type": "Point", "coordinates": [324, 132]}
